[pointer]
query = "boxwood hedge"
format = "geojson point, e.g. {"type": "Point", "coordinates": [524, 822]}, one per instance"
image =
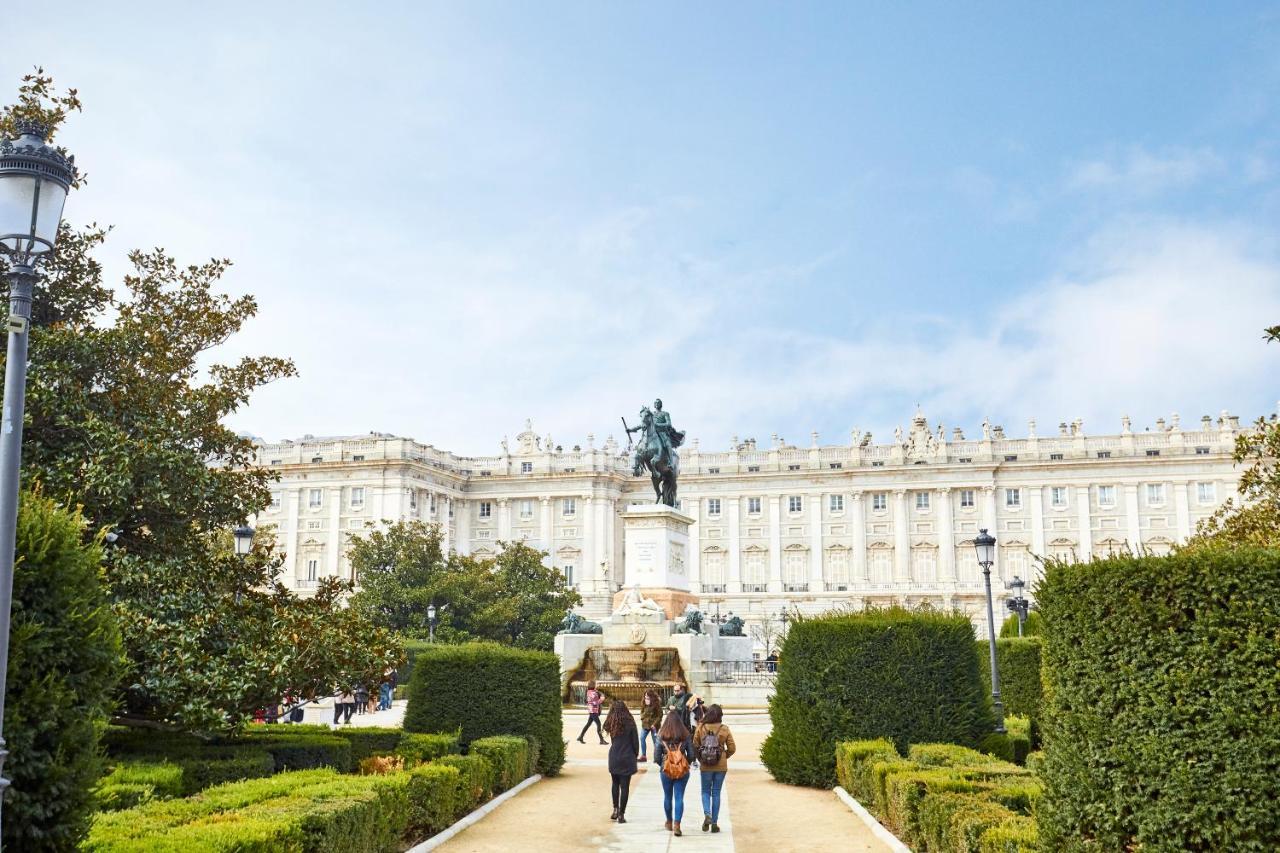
{"type": "Point", "coordinates": [1161, 723]}
{"type": "Point", "coordinates": [487, 689]}
{"type": "Point", "coordinates": [1019, 661]}
{"type": "Point", "coordinates": [903, 675]}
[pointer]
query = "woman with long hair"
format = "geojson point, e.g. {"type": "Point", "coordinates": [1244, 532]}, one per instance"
{"type": "Point", "coordinates": [650, 719]}
{"type": "Point", "coordinates": [594, 700]}
{"type": "Point", "coordinates": [674, 753]}
{"type": "Point", "coordinates": [621, 727]}
{"type": "Point", "coordinates": [713, 744]}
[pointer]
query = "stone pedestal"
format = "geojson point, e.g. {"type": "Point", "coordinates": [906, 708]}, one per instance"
{"type": "Point", "coordinates": [656, 544]}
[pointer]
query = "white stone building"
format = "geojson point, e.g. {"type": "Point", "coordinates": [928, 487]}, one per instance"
{"type": "Point", "coordinates": [778, 526]}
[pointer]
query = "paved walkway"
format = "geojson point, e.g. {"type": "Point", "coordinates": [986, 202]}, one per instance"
{"type": "Point", "coordinates": [757, 815]}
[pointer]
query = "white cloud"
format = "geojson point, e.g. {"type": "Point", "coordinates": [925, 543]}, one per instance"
{"type": "Point", "coordinates": [1142, 172]}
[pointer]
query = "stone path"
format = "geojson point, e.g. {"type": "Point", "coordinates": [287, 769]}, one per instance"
{"type": "Point", "coordinates": [757, 815]}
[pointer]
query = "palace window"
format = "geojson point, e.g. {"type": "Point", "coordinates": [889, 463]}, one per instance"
{"type": "Point", "coordinates": [753, 568]}
{"type": "Point", "coordinates": [753, 506]}
{"type": "Point", "coordinates": [922, 501]}
{"type": "Point", "coordinates": [313, 567]}
{"type": "Point", "coordinates": [1153, 452]}
{"type": "Point", "coordinates": [275, 500]}
{"type": "Point", "coordinates": [713, 567]}
{"type": "Point", "coordinates": [795, 503]}
{"type": "Point", "coordinates": [837, 566]}
{"type": "Point", "coordinates": [880, 501]}
{"type": "Point", "coordinates": [1202, 451]}
{"type": "Point", "coordinates": [793, 467]}
{"type": "Point", "coordinates": [753, 469]}
{"type": "Point", "coordinates": [277, 461]}
{"type": "Point", "coordinates": [567, 571]}
{"type": "Point", "coordinates": [1012, 457]}
{"type": "Point", "coordinates": [924, 565]}
{"type": "Point", "coordinates": [1206, 493]}
{"type": "Point", "coordinates": [1013, 498]}
{"type": "Point", "coordinates": [358, 458]}
{"type": "Point", "coordinates": [966, 498]}
{"type": "Point", "coordinates": [794, 567]}
{"type": "Point", "coordinates": [486, 509]}
{"type": "Point", "coordinates": [835, 503]}
{"type": "Point", "coordinates": [713, 506]}
{"type": "Point", "coordinates": [835, 466]}
{"type": "Point", "coordinates": [526, 467]}
{"type": "Point", "coordinates": [1106, 495]}
{"type": "Point", "coordinates": [878, 464]}
{"type": "Point", "coordinates": [1104, 454]}
{"type": "Point", "coordinates": [881, 564]}
{"type": "Point", "coordinates": [965, 459]}
{"type": "Point", "coordinates": [1155, 494]}
{"type": "Point", "coordinates": [413, 498]}
{"type": "Point", "coordinates": [317, 458]}
{"type": "Point", "coordinates": [1055, 457]}
{"type": "Point", "coordinates": [526, 509]}
{"type": "Point", "coordinates": [569, 507]}
{"type": "Point", "coordinates": [357, 497]}
{"type": "Point", "coordinates": [1058, 496]}
{"type": "Point", "coordinates": [315, 498]}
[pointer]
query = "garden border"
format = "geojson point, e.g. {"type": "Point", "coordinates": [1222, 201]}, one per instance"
{"type": "Point", "coordinates": [877, 828]}
{"type": "Point", "coordinates": [472, 818]}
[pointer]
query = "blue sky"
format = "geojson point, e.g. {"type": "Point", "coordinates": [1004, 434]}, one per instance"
{"type": "Point", "coordinates": [779, 217]}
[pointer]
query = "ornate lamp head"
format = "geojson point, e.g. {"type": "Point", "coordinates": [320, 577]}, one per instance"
{"type": "Point", "coordinates": [34, 180]}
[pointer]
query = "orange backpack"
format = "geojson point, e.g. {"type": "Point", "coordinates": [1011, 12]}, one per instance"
{"type": "Point", "coordinates": [675, 765]}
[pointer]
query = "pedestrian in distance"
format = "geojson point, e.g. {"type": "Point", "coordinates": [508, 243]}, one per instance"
{"type": "Point", "coordinates": [594, 700]}
{"type": "Point", "coordinates": [348, 701]}
{"type": "Point", "coordinates": [674, 754]}
{"type": "Point", "coordinates": [362, 698]}
{"type": "Point", "coordinates": [681, 700]}
{"type": "Point", "coordinates": [623, 751]}
{"type": "Point", "coordinates": [650, 719]}
{"type": "Point", "coordinates": [713, 744]}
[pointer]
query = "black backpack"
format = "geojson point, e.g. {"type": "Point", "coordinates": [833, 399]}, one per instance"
{"type": "Point", "coordinates": [709, 749]}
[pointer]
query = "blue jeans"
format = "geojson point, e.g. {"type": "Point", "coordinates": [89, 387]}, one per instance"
{"type": "Point", "coordinates": [673, 790]}
{"type": "Point", "coordinates": [645, 734]}
{"type": "Point", "coordinates": [384, 695]}
{"type": "Point", "coordinates": [712, 782]}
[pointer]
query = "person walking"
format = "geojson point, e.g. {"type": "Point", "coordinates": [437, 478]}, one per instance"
{"type": "Point", "coordinates": [713, 744]}
{"type": "Point", "coordinates": [594, 700]}
{"type": "Point", "coordinates": [623, 750]}
{"type": "Point", "coordinates": [384, 694]}
{"type": "Point", "coordinates": [348, 701]}
{"type": "Point", "coordinates": [650, 719]}
{"type": "Point", "coordinates": [362, 698]}
{"type": "Point", "coordinates": [681, 700]}
{"type": "Point", "coordinates": [674, 754]}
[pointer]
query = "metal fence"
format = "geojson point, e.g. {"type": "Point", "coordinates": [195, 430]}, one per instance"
{"type": "Point", "coordinates": [741, 671]}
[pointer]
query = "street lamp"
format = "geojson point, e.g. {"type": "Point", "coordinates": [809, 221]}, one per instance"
{"type": "Point", "coordinates": [1018, 604]}
{"type": "Point", "coordinates": [34, 181]}
{"type": "Point", "coordinates": [985, 544]}
{"type": "Point", "coordinates": [431, 623]}
{"type": "Point", "coordinates": [244, 544]}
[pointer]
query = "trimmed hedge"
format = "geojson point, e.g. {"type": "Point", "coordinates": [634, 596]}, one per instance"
{"type": "Point", "coordinates": [509, 756]}
{"type": "Point", "coordinates": [943, 798]}
{"type": "Point", "coordinates": [420, 748]}
{"type": "Point", "coordinates": [477, 778]}
{"type": "Point", "coordinates": [1161, 728]}
{"type": "Point", "coordinates": [436, 798]}
{"type": "Point", "coordinates": [369, 740]}
{"type": "Point", "coordinates": [487, 689]}
{"type": "Point", "coordinates": [1019, 661]}
{"type": "Point", "coordinates": [1033, 627]}
{"type": "Point", "coordinates": [412, 648]}
{"type": "Point", "coordinates": [898, 674]}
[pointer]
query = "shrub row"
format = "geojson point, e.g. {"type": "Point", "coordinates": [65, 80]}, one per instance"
{"type": "Point", "coordinates": [412, 648]}
{"type": "Point", "coordinates": [418, 748]}
{"type": "Point", "coordinates": [1015, 744]}
{"type": "Point", "coordinates": [317, 810]}
{"type": "Point", "coordinates": [898, 674]}
{"type": "Point", "coordinates": [942, 797]}
{"type": "Point", "coordinates": [510, 756]}
{"type": "Point", "coordinates": [485, 689]}
{"type": "Point", "coordinates": [1161, 728]}
{"type": "Point", "coordinates": [1019, 661]}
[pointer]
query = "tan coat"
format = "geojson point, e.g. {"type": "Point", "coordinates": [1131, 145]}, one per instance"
{"type": "Point", "coordinates": [727, 746]}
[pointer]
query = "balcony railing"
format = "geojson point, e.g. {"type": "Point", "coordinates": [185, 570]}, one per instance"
{"type": "Point", "coordinates": [755, 587]}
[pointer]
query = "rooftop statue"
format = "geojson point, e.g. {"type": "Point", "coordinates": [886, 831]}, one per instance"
{"type": "Point", "coordinates": [655, 451]}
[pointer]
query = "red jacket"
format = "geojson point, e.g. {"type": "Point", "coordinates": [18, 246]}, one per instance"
{"type": "Point", "coordinates": [594, 700]}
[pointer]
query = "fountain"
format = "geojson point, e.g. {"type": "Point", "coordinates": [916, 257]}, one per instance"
{"type": "Point", "coordinates": [626, 673]}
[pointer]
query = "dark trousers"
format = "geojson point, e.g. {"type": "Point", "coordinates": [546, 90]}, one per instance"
{"type": "Point", "coordinates": [621, 789]}
{"type": "Point", "coordinates": [591, 718]}
{"type": "Point", "coordinates": [337, 711]}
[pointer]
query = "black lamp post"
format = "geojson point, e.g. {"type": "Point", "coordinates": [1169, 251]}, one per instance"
{"type": "Point", "coordinates": [244, 544]}
{"type": "Point", "coordinates": [34, 181]}
{"type": "Point", "coordinates": [431, 623]}
{"type": "Point", "coordinates": [985, 544]}
{"type": "Point", "coordinates": [1018, 604]}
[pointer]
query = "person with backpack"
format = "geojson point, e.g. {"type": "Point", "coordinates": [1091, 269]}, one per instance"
{"type": "Point", "coordinates": [674, 754]}
{"type": "Point", "coordinates": [713, 743]}
{"type": "Point", "coordinates": [621, 727]}
{"type": "Point", "coordinates": [594, 700]}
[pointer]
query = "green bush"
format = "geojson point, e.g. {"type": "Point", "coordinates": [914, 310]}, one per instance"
{"type": "Point", "coordinates": [163, 778]}
{"type": "Point", "coordinates": [420, 748]}
{"type": "Point", "coordinates": [436, 798]}
{"type": "Point", "coordinates": [488, 689]}
{"type": "Point", "coordinates": [955, 823]}
{"type": "Point", "coordinates": [854, 759]}
{"type": "Point", "coordinates": [1033, 627]}
{"type": "Point", "coordinates": [903, 675]}
{"type": "Point", "coordinates": [412, 648]}
{"type": "Point", "coordinates": [114, 796]}
{"type": "Point", "coordinates": [229, 765]}
{"type": "Point", "coordinates": [948, 755]}
{"type": "Point", "coordinates": [1015, 835]}
{"type": "Point", "coordinates": [368, 740]}
{"type": "Point", "coordinates": [64, 661]}
{"type": "Point", "coordinates": [1019, 663]}
{"type": "Point", "coordinates": [476, 780]}
{"type": "Point", "coordinates": [509, 756]}
{"type": "Point", "coordinates": [304, 752]}
{"type": "Point", "coordinates": [1161, 728]}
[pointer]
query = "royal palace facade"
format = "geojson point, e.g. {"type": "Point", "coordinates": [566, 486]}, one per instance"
{"type": "Point", "coordinates": [779, 526]}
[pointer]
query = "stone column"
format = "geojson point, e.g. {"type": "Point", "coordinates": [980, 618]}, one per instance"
{"type": "Point", "coordinates": [733, 583]}
{"type": "Point", "coordinates": [1131, 517]}
{"type": "Point", "coordinates": [446, 526]}
{"type": "Point", "coordinates": [610, 535]}
{"type": "Point", "coordinates": [946, 538]}
{"type": "Point", "coordinates": [989, 522]}
{"type": "Point", "coordinates": [597, 548]}
{"type": "Point", "coordinates": [693, 560]}
{"type": "Point", "coordinates": [545, 522]}
{"type": "Point", "coordinates": [1085, 522]}
{"type": "Point", "coordinates": [1181, 506]}
{"type": "Point", "coordinates": [504, 520]}
{"type": "Point", "coordinates": [589, 544]}
{"type": "Point", "coordinates": [816, 582]}
{"type": "Point", "coordinates": [859, 520]}
{"type": "Point", "coordinates": [1035, 496]}
{"type": "Point", "coordinates": [901, 538]}
{"type": "Point", "coordinates": [293, 497]}
{"type": "Point", "coordinates": [333, 548]}
{"type": "Point", "coordinates": [462, 510]}
{"type": "Point", "coordinates": [775, 544]}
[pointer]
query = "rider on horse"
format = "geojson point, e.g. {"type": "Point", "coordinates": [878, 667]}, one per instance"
{"type": "Point", "coordinates": [658, 440]}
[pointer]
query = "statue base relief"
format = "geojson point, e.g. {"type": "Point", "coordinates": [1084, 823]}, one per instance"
{"type": "Point", "coordinates": [674, 602]}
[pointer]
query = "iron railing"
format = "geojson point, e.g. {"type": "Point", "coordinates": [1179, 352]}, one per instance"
{"type": "Point", "coordinates": [740, 671]}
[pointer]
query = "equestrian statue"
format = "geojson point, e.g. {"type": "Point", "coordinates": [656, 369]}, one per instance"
{"type": "Point", "coordinates": [655, 451]}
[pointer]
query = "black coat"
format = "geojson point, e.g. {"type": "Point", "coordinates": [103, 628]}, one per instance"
{"type": "Point", "coordinates": [623, 749]}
